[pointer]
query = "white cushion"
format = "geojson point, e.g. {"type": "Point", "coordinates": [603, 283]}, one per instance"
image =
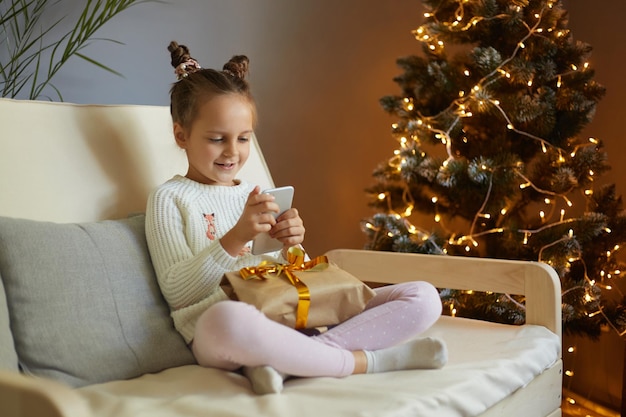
{"type": "Point", "coordinates": [487, 363]}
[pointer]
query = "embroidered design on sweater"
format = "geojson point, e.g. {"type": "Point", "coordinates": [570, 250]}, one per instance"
{"type": "Point", "coordinates": [210, 231]}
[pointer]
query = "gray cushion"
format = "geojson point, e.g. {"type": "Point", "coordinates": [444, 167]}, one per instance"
{"type": "Point", "coordinates": [8, 356]}
{"type": "Point", "coordinates": [84, 303]}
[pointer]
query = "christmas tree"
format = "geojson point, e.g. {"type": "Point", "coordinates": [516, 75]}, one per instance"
{"type": "Point", "coordinates": [491, 163]}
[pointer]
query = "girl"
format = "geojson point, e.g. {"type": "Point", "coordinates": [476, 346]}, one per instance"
{"type": "Point", "coordinates": [200, 225]}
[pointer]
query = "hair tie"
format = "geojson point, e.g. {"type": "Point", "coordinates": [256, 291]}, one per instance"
{"type": "Point", "coordinates": [185, 68]}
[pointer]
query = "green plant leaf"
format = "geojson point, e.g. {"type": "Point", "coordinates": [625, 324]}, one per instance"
{"type": "Point", "coordinates": [98, 64]}
{"type": "Point", "coordinates": [28, 42]}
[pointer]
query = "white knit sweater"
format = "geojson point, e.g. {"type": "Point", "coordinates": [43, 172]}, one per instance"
{"type": "Point", "coordinates": [184, 223]}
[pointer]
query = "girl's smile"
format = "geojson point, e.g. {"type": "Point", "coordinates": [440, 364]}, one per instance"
{"type": "Point", "coordinates": [218, 142]}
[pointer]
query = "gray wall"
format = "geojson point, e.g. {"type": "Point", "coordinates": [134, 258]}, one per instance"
{"type": "Point", "coordinates": [317, 71]}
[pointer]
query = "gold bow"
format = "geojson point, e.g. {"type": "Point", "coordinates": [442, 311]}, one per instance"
{"type": "Point", "coordinates": [295, 257]}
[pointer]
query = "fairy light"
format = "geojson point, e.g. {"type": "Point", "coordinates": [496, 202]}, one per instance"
{"type": "Point", "coordinates": [477, 99]}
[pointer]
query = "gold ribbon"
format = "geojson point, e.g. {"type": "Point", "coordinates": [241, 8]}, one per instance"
{"type": "Point", "coordinates": [296, 259]}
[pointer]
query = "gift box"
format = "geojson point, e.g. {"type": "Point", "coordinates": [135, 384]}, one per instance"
{"type": "Point", "coordinates": [300, 294]}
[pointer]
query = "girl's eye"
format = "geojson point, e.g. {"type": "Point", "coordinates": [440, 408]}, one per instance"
{"type": "Point", "coordinates": [243, 139]}
{"type": "Point", "coordinates": [215, 139]}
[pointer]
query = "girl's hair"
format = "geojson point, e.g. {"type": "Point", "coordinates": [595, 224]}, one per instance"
{"type": "Point", "coordinates": [195, 84]}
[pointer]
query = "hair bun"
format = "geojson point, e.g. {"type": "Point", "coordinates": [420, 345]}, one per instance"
{"type": "Point", "coordinates": [237, 66]}
{"type": "Point", "coordinates": [179, 53]}
{"type": "Point", "coordinates": [183, 63]}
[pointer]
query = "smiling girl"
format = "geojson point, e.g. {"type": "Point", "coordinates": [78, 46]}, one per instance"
{"type": "Point", "coordinates": [200, 225]}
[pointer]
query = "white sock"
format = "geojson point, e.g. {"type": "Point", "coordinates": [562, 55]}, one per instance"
{"type": "Point", "coordinates": [264, 379]}
{"type": "Point", "coordinates": [424, 353]}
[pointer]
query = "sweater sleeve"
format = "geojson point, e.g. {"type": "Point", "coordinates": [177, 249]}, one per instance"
{"type": "Point", "coordinates": [185, 278]}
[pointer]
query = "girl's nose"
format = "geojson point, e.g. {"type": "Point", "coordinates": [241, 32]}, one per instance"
{"type": "Point", "coordinates": [231, 149]}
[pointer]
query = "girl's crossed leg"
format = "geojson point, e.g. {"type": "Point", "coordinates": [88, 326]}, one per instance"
{"type": "Point", "coordinates": [232, 334]}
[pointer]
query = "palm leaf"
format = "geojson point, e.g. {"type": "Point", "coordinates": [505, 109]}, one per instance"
{"type": "Point", "coordinates": [27, 42]}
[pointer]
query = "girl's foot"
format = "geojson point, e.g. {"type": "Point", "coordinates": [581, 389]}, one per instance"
{"type": "Point", "coordinates": [424, 353]}
{"type": "Point", "coordinates": [264, 379]}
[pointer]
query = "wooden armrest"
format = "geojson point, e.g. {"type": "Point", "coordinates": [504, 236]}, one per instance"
{"type": "Point", "coordinates": [24, 396]}
{"type": "Point", "coordinates": [537, 281]}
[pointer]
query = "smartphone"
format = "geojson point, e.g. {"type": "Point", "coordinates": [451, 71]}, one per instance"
{"type": "Point", "coordinates": [263, 243]}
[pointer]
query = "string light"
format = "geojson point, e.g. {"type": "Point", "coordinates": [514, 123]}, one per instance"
{"type": "Point", "coordinates": [445, 127]}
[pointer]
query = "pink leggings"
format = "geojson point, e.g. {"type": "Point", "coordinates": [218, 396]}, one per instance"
{"type": "Point", "coordinates": [232, 334]}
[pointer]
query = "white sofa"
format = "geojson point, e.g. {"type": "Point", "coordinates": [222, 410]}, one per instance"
{"type": "Point", "coordinates": [85, 332]}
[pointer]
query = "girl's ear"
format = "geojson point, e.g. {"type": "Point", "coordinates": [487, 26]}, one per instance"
{"type": "Point", "coordinates": [180, 135]}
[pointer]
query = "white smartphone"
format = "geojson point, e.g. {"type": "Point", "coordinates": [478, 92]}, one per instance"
{"type": "Point", "coordinates": [263, 243]}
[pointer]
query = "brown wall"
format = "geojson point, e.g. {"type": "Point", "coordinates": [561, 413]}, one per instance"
{"type": "Point", "coordinates": [598, 366]}
{"type": "Point", "coordinates": [324, 132]}
{"type": "Point", "coordinates": [321, 127]}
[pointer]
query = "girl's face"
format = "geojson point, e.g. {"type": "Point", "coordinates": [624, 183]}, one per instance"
{"type": "Point", "coordinates": [218, 141]}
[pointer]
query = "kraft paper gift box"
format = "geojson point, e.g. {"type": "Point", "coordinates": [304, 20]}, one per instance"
{"type": "Point", "coordinates": [300, 294]}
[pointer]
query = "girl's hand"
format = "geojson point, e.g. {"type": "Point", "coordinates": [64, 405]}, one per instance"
{"type": "Point", "coordinates": [289, 228]}
{"type": "Point", "coordinates": [257, 217]}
